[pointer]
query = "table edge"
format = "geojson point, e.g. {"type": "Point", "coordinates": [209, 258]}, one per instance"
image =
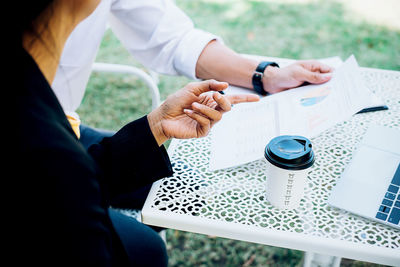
{"type": "Point", "coordinates": [254, 234]}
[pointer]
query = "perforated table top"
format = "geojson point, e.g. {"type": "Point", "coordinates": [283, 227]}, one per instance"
{"type": "Point", "coordinates": [231, 203]}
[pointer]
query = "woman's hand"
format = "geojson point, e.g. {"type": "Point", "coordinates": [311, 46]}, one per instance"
{"type": "Point", "coordinates": [193, 110]}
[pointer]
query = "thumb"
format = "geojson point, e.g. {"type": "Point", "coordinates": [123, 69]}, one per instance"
{"type": "Point", "coordinates": [315, 77]}
{"type": "Point", "coordinates": [208, 85]}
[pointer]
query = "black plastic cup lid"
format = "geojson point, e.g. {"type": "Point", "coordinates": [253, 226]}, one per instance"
{"type": "Point", "coordinates": [290, 152]}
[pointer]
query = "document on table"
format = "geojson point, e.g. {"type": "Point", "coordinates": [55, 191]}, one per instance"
{"type": "Point", "coordinates": [241, 136]}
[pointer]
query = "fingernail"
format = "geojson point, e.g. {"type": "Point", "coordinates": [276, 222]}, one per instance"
{"type": "Point", "coordinates": [219, 82]}
{"type": "Point", "coordinates": [326, 75]}
{"type": "Point", "coordinates": [188, 111]}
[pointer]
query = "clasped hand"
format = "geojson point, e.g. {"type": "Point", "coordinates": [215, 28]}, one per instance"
{"type": "Point", "coordinates": [193, 110]}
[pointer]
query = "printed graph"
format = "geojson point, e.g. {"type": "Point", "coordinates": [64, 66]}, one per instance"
{"type": "Point", "coordinates": [315, 96]}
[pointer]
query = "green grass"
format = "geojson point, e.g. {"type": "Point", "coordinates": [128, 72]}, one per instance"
{"type": "Point", "coordinates": [301, 31]}
{"type": "Point", "coordinates": [188, 249]}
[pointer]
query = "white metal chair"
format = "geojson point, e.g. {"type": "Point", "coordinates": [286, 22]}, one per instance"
{"type": "Point", "coordinates": [151, 80]}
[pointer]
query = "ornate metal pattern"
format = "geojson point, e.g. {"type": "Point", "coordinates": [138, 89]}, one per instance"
{"type": "Point", "coordinates": [237, 194]}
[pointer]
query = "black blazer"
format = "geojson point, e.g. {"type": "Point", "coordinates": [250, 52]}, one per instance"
{"type": "Point", "coordinates": [61, 190]}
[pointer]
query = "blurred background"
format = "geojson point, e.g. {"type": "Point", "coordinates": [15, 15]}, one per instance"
{"type": "Point", "coordinates": [297, 29]}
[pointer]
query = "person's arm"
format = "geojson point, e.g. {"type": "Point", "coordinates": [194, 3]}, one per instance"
{"type": "Point", "coordinates": [163, 38]}
{"type": "Point", "coordinates": [134, 156]}
{"type": "Point", "coordinates": [131, 158]}
{"type": "Point", "coordinates": [219, 62]}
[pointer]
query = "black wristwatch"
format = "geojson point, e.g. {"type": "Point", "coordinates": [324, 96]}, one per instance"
{"type": "Point", "coordinates": [258, 75]}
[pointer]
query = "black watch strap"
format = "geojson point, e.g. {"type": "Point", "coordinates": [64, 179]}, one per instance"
{"type": "Point", "coordinates": [258, 75]}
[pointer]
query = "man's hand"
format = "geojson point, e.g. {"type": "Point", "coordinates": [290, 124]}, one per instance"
{"type": "Point", "coordinates": [279, 79]}
{"type": "Point", "coordinates": [193, 110]}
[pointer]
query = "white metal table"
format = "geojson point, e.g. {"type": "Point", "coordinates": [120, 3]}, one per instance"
{"type": "Point", "coordinates": [231, 203]}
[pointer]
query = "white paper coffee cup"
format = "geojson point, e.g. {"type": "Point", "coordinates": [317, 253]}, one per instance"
{"type": "Point", "coordinates": [289, 159]}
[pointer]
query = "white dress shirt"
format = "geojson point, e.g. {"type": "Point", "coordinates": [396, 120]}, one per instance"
{"type": "Point", "coordinates": [156, 32]}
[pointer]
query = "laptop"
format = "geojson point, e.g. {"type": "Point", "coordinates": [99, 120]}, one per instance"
{"type": "Point", "coordinates": [370, 184]}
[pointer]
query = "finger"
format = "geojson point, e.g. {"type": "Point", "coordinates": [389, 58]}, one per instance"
{"type": "Point", "coordinates": [222, 102]}
{"type": "Point", "coordinates": [235, 99]}
{"type": "Point", "coordinates": [325, 68]}
{"type": "Point", "coordinates": [210, 113]}
{"type": "Point", "coordinates": [316, 66]}
{"type": "Point", "coordinates": [209, 85]}
{"type": "Point", "coordinates": [314, 77]}
{"type": "Point", "coordinates": [203, 123]}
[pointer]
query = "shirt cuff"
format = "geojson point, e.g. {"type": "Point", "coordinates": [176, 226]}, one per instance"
{"type": "Point", "coordinates": [189, 50]}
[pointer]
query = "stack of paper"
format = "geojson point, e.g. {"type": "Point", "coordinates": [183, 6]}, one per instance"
{"type": "Point", "coordinates": [241, 136]}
